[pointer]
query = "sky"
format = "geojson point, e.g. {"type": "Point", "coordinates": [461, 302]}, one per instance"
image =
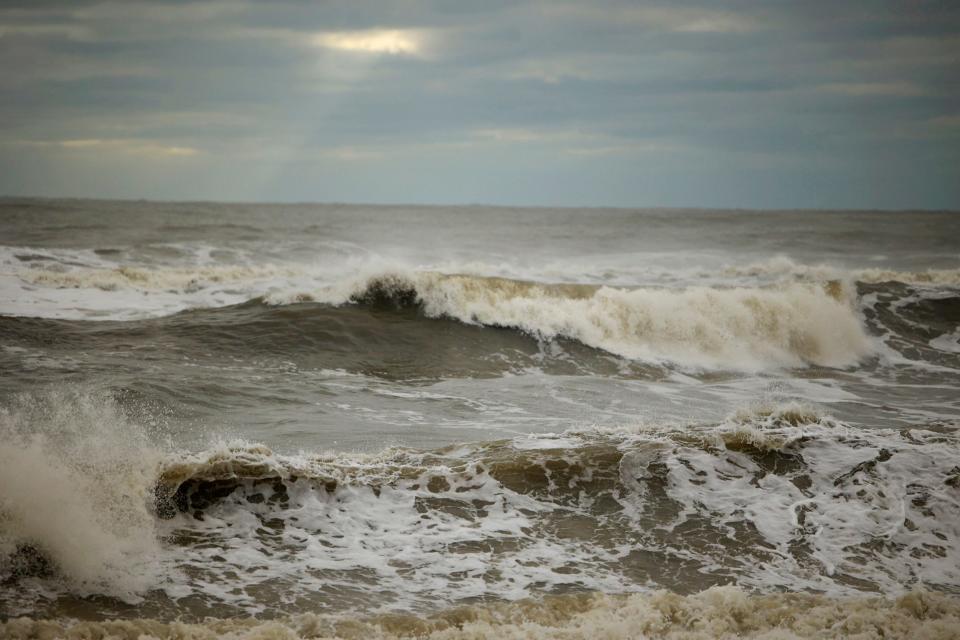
{"type": "Point", "coordinates": [773, 104]}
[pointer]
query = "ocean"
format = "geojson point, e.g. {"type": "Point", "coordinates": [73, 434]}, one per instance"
{"type": "Point", "coordinates": [280, 421]}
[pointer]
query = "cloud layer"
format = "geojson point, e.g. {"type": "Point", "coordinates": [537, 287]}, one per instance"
{"type": "Point", "coordinates": [755, 104]}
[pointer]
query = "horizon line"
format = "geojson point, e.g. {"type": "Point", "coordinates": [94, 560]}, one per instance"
{"type": "Point", "coordinates": [480, 205]}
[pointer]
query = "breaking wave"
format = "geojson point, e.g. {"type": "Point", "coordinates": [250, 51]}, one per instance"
{"type": "Point", "coordinates": [768, 315]}
{"type": "Point", "coordinates": [74, 495]}
{"type": "Point", "coordinates": [740, 328]}
{"type": "Point", "coordinates": [775, 497]}
{"type": "Point", "coordinates": [812, 500]}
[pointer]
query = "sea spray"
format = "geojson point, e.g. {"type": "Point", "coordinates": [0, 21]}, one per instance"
{"type": "Point", "coordinates": [76, 483]}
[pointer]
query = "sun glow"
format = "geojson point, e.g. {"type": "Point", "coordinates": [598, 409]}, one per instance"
{"type": "Point", "coordinates": [377, 42]}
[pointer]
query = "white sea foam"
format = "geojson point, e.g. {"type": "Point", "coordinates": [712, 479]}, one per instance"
{"type": "Point", "coordinates": [793, 499]}
{"type": "Point", "coordinates": [783, 267]}
{"type": "Point", "coordinates": [369, 529]}
{"type": "Point", "coordinates": [80, 284]}
{"type": "Point", "coordinates": [719, 613]}
{"type": "Point", "coordinates": [818, 516]}
{"type": "Point", "coordinates": [949, 342]}
{"type": "Point", "coordinates": [182, 279]}
{"type": "Point", "coordinates": [864, 506]}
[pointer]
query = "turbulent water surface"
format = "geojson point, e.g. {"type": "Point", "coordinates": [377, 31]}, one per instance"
{"type": "Point", "coordinates": [306, 420]}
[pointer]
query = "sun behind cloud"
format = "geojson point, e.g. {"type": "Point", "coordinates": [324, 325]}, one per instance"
{"type": "Point", "coordinates": [376, 41]}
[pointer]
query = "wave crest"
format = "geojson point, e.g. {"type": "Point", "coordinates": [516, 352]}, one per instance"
{"type": "Point", "coordinates": [739, 328]}
{"type": "Point", "coordinates": [164, 279]}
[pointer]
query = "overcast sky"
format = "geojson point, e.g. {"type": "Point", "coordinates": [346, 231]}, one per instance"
{"type": "Point", "coordinates": [716, 104]}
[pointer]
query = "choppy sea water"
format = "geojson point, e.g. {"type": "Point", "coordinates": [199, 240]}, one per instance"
{"type": "Point", "coordinates": [322, 420]}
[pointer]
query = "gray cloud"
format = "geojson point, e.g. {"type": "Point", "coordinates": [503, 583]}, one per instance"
{"type": "Point", "coordinates": [683, 103]}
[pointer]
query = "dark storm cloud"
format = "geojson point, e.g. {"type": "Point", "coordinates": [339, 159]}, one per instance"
{"type": "Point", "coordinates": [752, 104]}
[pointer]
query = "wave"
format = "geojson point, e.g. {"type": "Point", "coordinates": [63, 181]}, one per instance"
{"type": "Point", "coordinates": [718, 612]}
{"type": "Point", "coordinates": [66, 269]}
{"type": "Point", "coordinates": [700, 327]}
{"type": "Point", "coordinates": [762, 429]}
{"type": "Point", "coordinates": [784, 268]}
{"type": "Point", "coordinates": [806, 496]}
{"type": "Point", "coordinates": [387, 331]}
{"type": "Point", "coordinates": [186, 280]}
{"type": "Point", "coordinates": [774, 497]}
{"type": "Point", "coordinates": [768, 315]}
